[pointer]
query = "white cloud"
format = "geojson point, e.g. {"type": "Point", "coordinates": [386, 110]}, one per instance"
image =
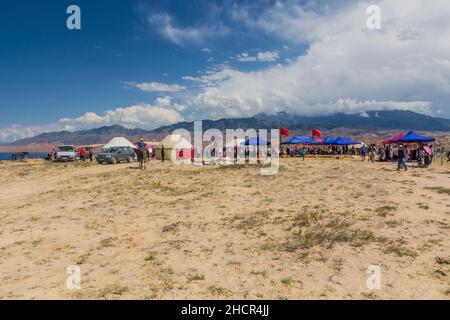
{"type": "Point", "coordinates": [346, 67]}
{"type": "Point", "coordinates": [155, 86]}
{"type": "Point", "coordinates": [164, 24]}
{"type": "Point", "coordinates": [147, 116]}
{"type": "Point", "coordinates": [266, 56]}
{"type": "Point", "coordinates": [245, 57]}
{"type": "Point", "coordinates": [212, 78]}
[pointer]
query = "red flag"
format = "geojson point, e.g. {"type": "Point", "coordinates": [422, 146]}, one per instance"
{"type": "Point", "coordinates": [316, 133]}
{"type": "Point", "coordinates": [284, 132]}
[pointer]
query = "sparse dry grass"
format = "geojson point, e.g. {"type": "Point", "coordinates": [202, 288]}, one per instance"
{"type": "Point", "coordinates": [223, 231]}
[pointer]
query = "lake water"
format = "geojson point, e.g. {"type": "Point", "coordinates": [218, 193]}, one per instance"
{"type": "Point", "coordinates": [33, 155]}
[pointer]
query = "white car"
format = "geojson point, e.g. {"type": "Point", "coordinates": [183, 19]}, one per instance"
{"type": "Point", "coordinates": [67, 153]}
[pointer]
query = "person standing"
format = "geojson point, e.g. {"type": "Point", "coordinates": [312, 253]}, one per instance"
{"type": "Point", "coordinates": [401, 158]}
{"type": "Point", "coordinates": [422, 156]}
{"type": "Point", "coordinates": [363, 153]}
{"type": "Point", "coordinates": [82, 154]}
{"type": "Point", "coordinates": [162, 153]}
{"type": "Point", "coordinates": [303, 153]}
{"type": "Point", "coordinates": [372, 154]}
{"type": "Point", "coordinates": [431, 154]}
{"type": "Point", "coordinates": [53, 155]}
{"type": "Point", "coordinates": [91, 154]}
{"type": "Point", "coordinates": [387, 152]}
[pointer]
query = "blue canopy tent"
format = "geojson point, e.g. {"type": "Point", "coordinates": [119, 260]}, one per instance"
{"type": "Point", "coordinates": [297, 139]}
{"type": "Point", "coordinates": [412, 137]}
{"type": "Point", "coordinates": [339, 141]}
{"type": "Point", "coordinates": [255, 142]}
{"type": "Point", "coordinates": [344, 141]}
{"type": "Point", "coordinates": [327, 141]}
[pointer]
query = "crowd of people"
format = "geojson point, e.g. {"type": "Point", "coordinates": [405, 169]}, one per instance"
{"type": "Point", "coordinates": [421, 153]}
{"type": "Point", "coordinates": [402, 153]}
{"type": "Point", "coordinates": [295, 151]}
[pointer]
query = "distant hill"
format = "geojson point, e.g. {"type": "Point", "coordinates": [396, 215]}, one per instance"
{"type": "Point", "coordinates": [92, 136]}
{"type": "Point", "coordinates": [353, 124]}
{"type": "Point", "coordinates": [372, 120]}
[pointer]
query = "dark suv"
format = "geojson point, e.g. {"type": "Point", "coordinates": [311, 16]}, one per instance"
{"type": "Point", "coordinates": [116, 155]}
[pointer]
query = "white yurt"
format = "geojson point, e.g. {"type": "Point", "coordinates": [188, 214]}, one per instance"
{"type": "Point", "coordinates": [119, 142]}
{"type": "Point", "coordinates": [175, 147]}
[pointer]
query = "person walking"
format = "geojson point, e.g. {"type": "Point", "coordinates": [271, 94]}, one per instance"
{"type": "Point", "coordinates": [401, 158]}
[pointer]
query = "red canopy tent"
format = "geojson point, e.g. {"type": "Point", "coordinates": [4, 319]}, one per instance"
{"type": "Point", "coordinates": [387, 141]}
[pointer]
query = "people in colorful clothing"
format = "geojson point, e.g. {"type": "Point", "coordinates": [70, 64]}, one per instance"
{"type": "Point", "coordinates": [82, 154]}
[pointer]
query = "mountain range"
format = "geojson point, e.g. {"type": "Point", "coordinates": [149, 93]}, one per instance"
{"type": "Point", "coordinates": [340, 123]}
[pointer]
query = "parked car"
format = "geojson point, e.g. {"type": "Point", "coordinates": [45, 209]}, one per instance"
{"type": "Point", "coordinates": [67, 153]}
{"type": "Point", "coordinates": [116, 155]}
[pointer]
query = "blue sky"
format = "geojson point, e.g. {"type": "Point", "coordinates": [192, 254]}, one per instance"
{"type": "Point", "coordinates": [148, 63]}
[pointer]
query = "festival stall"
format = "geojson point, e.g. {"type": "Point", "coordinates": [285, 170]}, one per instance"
{"type": "Point", "coordinates": [413, 137]}
{"type": "Point", "coordinates": [415, 142]}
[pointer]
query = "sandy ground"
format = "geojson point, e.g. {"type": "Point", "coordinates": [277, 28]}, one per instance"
{"type": "Point", "coordinates": [185, 232]}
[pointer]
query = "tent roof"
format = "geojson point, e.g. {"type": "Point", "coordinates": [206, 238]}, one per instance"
{"type": "Point", "coordinates": [119, 142]}
{"type": "Point", "coordinates": [345, 141]}
{"type": "Point", "coordinates": [327, 141]}
{"type": "Point", "coordinates": [341, 141]}
{"type": "Point", "coordinates": [256, 141]}
{"type": "Point", "coordinates": [387, 141]}
{"type": "Point", "coordinates": [413, 136]}
{"type": "Point", "coordinates": [175, 141]}
{"type": "Point", "coordinates": [297, 139]}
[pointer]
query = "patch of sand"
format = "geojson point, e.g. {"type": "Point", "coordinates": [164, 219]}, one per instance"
{"type": "Point", "coordinates": [186, 232]}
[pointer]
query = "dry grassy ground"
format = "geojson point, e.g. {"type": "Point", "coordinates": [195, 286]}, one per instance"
{"type": "Point", "coordinates": [187, 232]}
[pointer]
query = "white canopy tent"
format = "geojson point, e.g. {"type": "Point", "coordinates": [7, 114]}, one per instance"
{"type": "Point", "coordinates": [119, 142]}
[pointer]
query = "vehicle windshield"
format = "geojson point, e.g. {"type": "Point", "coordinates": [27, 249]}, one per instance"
{"type": "Point", "coordinates": [65, 149]}
{"type": "Point", "coordinates": [111, 150]}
